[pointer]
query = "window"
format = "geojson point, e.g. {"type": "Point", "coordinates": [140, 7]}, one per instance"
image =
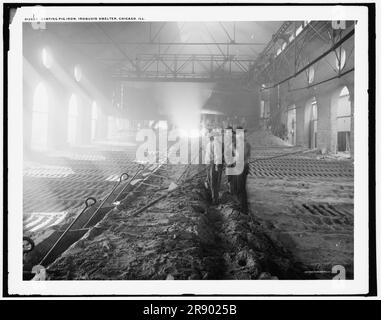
{"type": "Point", "coordinates": [344, 114]}
{"type": "Point", "coordinates": [340, 59]}
{"type": "Point", "coordinates": [262, 109]}
{"type": "Point", "coordinates": [46, 58]}
{"type": "Point", "coordinates": [77, 73]}
{"type": "Point", "coordinates": [313, 125]}
{"type": "Point", "coordinates": [311, 74]}
{"type": "Point", "coordinates": [314, 110]}
{"type": "Point", "coordinates": [299, 30]}
{"type": "Point", "coordinates": [344, 92]}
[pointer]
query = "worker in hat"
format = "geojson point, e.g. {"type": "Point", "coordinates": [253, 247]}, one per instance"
{"type": "Point", "coordinates": [241, 178]}
{"type": "Point", "coordinates": [214, 157]}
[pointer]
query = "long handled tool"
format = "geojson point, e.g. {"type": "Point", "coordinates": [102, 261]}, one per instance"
{"type": "Point", "coordinates": [89, 202]}
{"type": "Point", "coordinates": [123, 177]}
{"type": "Point", "coordinates": [140, 168]}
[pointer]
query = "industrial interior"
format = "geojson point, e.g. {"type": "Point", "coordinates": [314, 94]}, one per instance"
{"type": "Point", "coordinates": [93, 211]}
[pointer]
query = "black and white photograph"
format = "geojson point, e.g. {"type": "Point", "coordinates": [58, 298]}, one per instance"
{"type": "Point", "coordinates": [212, 146]}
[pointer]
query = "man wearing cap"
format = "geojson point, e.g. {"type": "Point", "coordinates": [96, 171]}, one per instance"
{"type": "Point", "coordinates": [213, 156]}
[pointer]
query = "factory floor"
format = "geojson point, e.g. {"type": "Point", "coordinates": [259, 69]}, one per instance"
{"type": "Point", "coordinates": [312, 217]}
{"type": "Point", "coordinates": [300, 223]}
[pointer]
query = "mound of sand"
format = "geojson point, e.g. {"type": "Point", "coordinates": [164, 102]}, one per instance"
{"type": "Point", "coordinates": [265, 139]}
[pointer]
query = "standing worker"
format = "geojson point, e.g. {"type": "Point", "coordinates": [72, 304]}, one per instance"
{"type": "Point", "coordinates": [232, 179]}
{"type": "Point", "coordinates": [241, 178]}
{"type": "Point", "coordinates": [214, 151]}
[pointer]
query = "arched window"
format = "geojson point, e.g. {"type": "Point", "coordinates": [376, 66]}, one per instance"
{"type": "Point", "coordinates": [314, 109]}
{"type": "Point", "coordinates": [340, 59]}
{"type": "Point", "coordinates": [314, 120]}
{"type": "Point", "coordinates": [72, 120]}
{"type": "Point", "coordinates": [39, 137]}
{"type": "Point", "coordinates": [343, 121]}
{"type": "Point", "coordinates": [77, 73]}
{"type": "Point", "coordinates": [262, 109]}
{"type": "Point", "coordinates": [311, 74]}
{"type": "Point", "coordinates": [344, 92]}
{"type": "Point", "coordinates": [299, 30]}
{"type": "Point", "coordinates": [46, 58]}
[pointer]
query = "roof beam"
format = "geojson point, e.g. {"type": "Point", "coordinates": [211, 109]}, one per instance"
{"type": "Point", "coordinates": [171, 43]}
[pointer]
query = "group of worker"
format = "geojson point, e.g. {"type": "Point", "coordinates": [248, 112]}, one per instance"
{"type": "Point", "coordinates": [217, 164]}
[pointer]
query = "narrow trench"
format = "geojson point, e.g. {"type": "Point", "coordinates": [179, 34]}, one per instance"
{"type": "Point", "coordinates": [212, 244]}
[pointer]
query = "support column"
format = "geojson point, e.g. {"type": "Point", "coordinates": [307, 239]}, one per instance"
{"type": "Point", "coordinates": [324, 122]}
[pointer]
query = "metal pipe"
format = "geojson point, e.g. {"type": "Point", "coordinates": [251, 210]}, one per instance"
{"type": "Point", "coordinates": [87, 205]}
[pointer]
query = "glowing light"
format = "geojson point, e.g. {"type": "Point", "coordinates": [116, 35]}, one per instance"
{"type": "Point", "coordinates": [46, 58]}
{"type": "Point", "coordinates": [183, 103]}
{"type": "Point", "coordinates": [194, 133]}
{"type": "Point", "coordinates": [203, 132]}
{"type": "Point", "coordinates": [161, 125]}
{"type": "Point", "coordinates": [77, 73]}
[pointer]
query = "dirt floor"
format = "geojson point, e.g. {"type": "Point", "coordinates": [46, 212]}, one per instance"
{"type": "Point", "coordinates": [313, 219]}
{"type": "Point", "coordinates": [300, 223]}
{"type": "Point", "coordinates": [180, 237]}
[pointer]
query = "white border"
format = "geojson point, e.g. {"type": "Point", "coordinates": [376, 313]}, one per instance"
{"type": "Point", "coordinates": [228, 287]}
